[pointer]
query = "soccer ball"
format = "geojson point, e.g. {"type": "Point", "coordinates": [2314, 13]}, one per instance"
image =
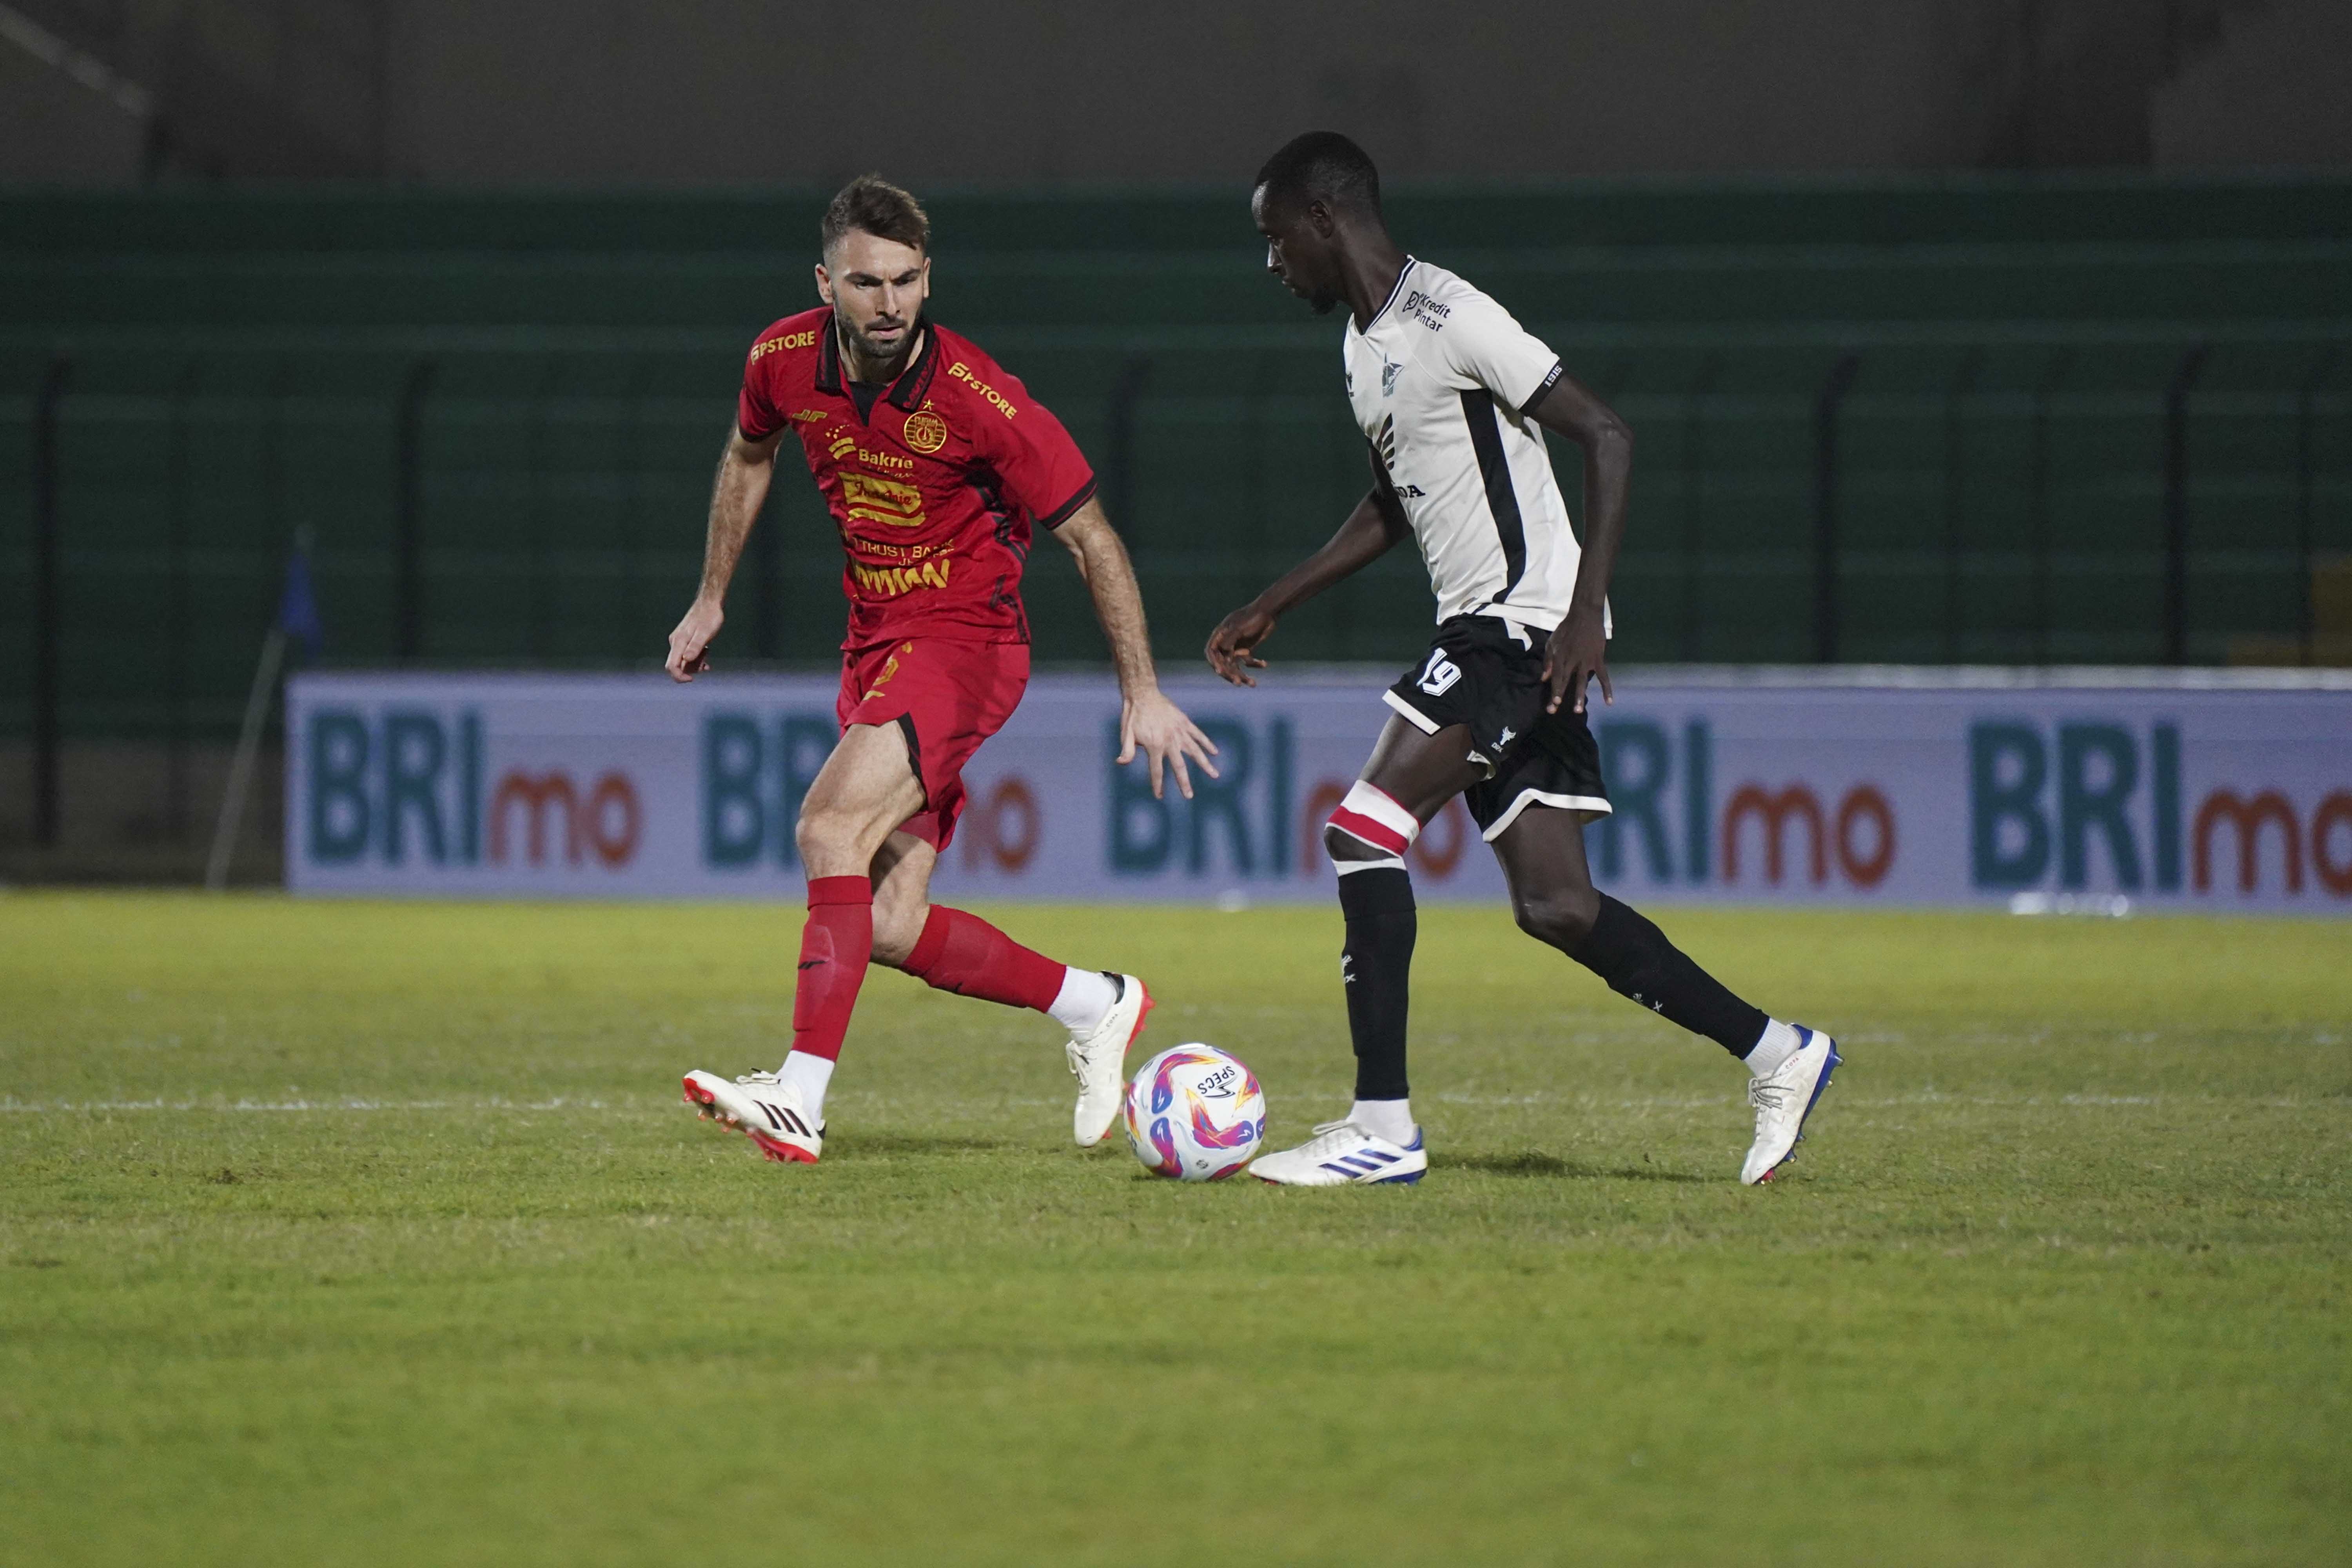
{"type": "Point", "coordinates": [1194, 1113]}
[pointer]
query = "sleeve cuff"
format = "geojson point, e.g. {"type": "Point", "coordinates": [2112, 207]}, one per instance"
{"type": "Point", "coordinates": [1550, 380]}
{"type": "Point", "coordinates": [1061, 514]}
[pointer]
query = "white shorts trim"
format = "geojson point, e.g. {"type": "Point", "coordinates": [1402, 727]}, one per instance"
{"type": "Point", "coordinates": [1422, 721]}
{"type": "Point", "coordinates": [1527, 797]}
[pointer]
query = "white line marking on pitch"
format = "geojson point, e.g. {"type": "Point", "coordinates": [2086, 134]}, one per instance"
{"type": "Point", "coordinates": [1539, 1098]}
{"type": "Point", "coordinates": [1701, 1102]}
{"type": "Point", "coordinates": [245, 1105]}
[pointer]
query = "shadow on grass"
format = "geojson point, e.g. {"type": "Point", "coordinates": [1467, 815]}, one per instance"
{"type": "Point", "coordinates": [1531, 1162]}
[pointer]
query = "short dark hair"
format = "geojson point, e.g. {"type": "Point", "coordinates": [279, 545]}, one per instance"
{"type": "Point", "coordinates": [882, 209]}
{"type": "Point", "coordinates": [1324, 166]}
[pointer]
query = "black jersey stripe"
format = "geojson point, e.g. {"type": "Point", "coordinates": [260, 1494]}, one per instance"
{"type": "Point", "coordinates": [1068, 508]}
{"type": "Point", "coordinates": [1486, 439]}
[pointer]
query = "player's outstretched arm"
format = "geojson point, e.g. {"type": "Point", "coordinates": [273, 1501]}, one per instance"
{"type": "Point", "coordinates": [1370, 532]}
{"type": "Point", "coordinates": [1147, 720]}
{"type": "Point", "coordinates": [1579, 651]}
{"type": "Point", "coordinates": [744, 470]}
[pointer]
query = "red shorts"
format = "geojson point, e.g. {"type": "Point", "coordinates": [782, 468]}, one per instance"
{"type": "Point", "coordinates": [948, 697]}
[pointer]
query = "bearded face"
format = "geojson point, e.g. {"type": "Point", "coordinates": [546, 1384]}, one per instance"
{"type": "Point", "coordinates": [876, 340]}
{"type": "Point", "coordinates": [877, 288]}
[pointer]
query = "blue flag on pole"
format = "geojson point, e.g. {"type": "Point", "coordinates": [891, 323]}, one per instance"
{"type": "Point", "coordinates": [298, 607]}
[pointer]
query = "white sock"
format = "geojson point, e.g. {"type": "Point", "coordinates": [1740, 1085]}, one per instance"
{"type": "Point", "coordinates": [810, 1074]}
{"type": "Point", "coordinates": [1085, 996]}
{"type": "Point", "coordinates": [1389, 1118]}
{"type": "Point", "coordinates": [1779, 1042]}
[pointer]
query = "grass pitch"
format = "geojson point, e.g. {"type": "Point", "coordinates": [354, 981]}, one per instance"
{"type": "Point", "coordinates": [349, 1233]}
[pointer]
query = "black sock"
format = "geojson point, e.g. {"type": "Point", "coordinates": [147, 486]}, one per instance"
{"type": "Point", "coordinates": [1376, 965]}
{"type": "Point", "coordinates": [1638, 961]}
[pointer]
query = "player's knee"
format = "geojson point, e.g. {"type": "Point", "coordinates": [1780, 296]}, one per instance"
{"type": "Point", "coordinates": [826, 837]}
{"type": "Point", "coordinates": [1369, 826]}
{"type": "Point", "coordinates": [812, 836]}
{"type": "Point", "coordinates": [1347, 848]}
{"type": "Point", "coordinates": [1562, 918]}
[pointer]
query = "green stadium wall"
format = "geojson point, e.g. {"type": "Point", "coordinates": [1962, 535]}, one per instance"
{"type": "Point", "coordinates": [2094, 420]}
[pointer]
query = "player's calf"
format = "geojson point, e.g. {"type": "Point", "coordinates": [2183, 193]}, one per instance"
{"type": "Point", "coordinates": [1788, 1065]}
{"type": "Point", "coordinates": [961, 953]}
{"type": "Point", "coordinates": [1632, 957]}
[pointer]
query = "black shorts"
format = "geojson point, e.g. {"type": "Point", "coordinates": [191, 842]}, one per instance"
{"type": "Point", "coordinates": [1487, 673]}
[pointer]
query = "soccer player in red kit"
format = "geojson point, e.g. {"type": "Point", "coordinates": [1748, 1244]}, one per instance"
{"type": "Point", "coordinates": [939, 467]}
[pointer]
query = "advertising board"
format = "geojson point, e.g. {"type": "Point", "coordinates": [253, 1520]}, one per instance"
{"type": "Point", "coordinates": [1908, 788]}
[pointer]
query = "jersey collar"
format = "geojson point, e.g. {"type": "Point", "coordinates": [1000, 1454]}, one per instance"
{"type": "Point", "coordinates": [1395, 288]}
{"type": "Point", "coordinates": [914, 383]}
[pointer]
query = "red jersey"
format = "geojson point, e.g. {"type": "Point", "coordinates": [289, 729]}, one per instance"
{"type": "Point", "coordinates": [935, 485]}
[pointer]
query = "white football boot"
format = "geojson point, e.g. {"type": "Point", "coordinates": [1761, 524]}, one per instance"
{"type": "Point", "coordinates": [1098, 1061]}
{"type": "Point", "coordinates": [1783, 1098]}
{"type": "Point", "coordinates": [768, 1110]}
{"type": "Point", "coordinates": [1343, 1154]}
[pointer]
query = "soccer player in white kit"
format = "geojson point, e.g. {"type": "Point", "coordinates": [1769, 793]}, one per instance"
{"type": "Point", "coordinates": [1450, 393]}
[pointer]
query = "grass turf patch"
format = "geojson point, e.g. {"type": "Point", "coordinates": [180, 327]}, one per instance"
{"type": "Point", "coordinates": [353, 1232]}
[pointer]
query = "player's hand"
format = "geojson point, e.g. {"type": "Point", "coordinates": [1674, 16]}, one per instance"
{"type": "Point", "coordinates": [1167, 737]}
{"type": "Point", "coordinates": [1232, 646]}
{"type": "Point", "coordinates": [689, 645]}
{"type": "Point", "coordinates": [1577, 655]}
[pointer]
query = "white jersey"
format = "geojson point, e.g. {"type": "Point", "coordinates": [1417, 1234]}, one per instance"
{"type": "Point", "coordinates": [1439, 382]}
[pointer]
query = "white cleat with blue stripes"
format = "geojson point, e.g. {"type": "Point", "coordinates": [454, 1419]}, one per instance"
{"type": "Point", "coordinates": [1343, 1154]}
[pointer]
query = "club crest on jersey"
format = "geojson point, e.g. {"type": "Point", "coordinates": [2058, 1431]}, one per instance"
{"type": "Point", "coordinates": [1388, 378]}
{"type": "Point", "coordinates": [926, 431]}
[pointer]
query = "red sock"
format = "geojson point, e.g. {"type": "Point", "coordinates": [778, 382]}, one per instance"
{"type": "Point", "coordinates": [965, 954]}
{"type": "Point", "coordinates": [835, 946]}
